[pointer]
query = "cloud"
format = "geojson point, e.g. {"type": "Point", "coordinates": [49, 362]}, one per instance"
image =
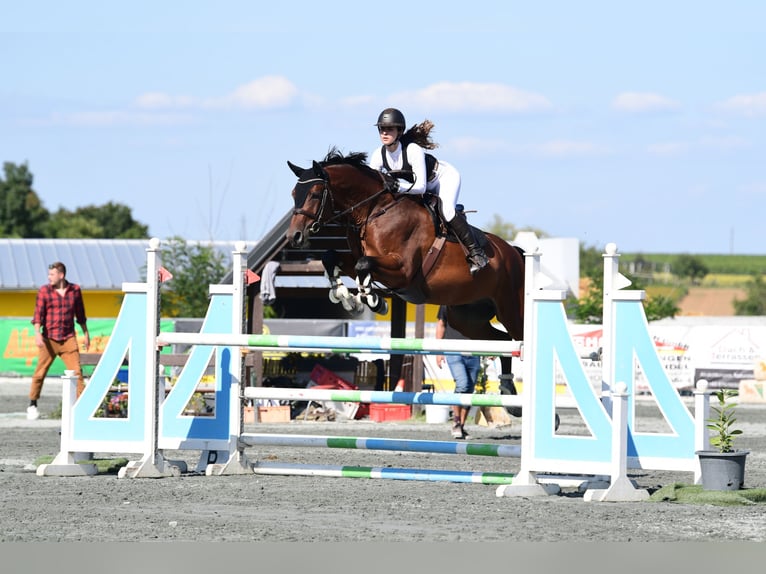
{"type": "Point", "coordinates": [266, 93]}
{"type": "Point", "coordinates": [668, 149]}
{"type": "Point", "coordinates": [569, 148]}
{"type": "Point", "coordinates": [112, 118]}
{"type": "Point", "coordinates": [552, 149]}
{"type": "Point", "coordinates": [724, 143]}
{"type": "Point", "coordinates": [641, 102]}
{"type": "Point", "coordinates": [473, 97]}
{"type": "Point", "coordinates": [476, 146]}
{"type": "Point", "coordinates": [746, 104]}
{"type": "Point", "coordinates": [676, 148]}
{"type": "Point", "coordinates": [757, 189]}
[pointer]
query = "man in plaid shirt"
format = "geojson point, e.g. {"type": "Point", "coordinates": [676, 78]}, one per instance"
{"type": "Point", "coordinates": [59, 304]}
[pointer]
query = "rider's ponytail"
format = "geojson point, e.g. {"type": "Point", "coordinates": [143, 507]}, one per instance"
{"type": "Point", "coordinates": [420, 134]}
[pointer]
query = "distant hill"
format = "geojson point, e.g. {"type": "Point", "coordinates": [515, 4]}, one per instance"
{"type": "Point", "coordinates": [716, 263]}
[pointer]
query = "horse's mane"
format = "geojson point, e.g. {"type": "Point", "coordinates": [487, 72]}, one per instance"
{"type": "Point", "coordinates": [357, 159]}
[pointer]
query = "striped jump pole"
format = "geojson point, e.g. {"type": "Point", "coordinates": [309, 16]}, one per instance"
{"type": "Point", "coordinates": [389, 444]}
{"type": "Point", "coordinates": [395, 397]}
{"type": "Point", "coordinates": [285, 469]}
{"type": "Point", "coordinates": [401, 346]}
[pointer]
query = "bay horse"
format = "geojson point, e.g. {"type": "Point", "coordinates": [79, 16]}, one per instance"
{"type": "Point", "coordinates": [395, 240]}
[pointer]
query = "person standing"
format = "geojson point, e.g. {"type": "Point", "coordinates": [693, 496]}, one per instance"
{"type": "Point", "coordinates": [464, 369]}
{"type": "Point", "coordinates": [58, 305]}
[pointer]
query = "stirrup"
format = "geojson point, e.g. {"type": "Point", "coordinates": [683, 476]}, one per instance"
{"type": "Point", "coordinates": [477, 262]}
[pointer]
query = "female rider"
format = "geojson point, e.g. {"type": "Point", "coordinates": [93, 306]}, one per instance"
{"type": "Point", "coordinates": [405, 152]}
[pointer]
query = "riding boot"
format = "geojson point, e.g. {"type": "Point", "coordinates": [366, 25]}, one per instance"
{"type": "Point", "coordinates": [477, 257]}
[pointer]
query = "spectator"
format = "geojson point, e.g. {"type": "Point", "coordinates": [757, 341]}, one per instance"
{"type": "Point", "coordinates": [59, 304]}
{"type": "Point", "coordinates": [464, 368]}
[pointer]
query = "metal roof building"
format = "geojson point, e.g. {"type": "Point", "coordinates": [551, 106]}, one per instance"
{"type": "Point", "coordinates": [94, 264]}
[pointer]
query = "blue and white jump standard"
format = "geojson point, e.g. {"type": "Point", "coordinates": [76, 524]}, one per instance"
{"type": "Point", "coordinates": [156, 423]}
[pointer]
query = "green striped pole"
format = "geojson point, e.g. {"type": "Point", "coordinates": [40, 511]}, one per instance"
{"type": "Point", "coordinates": [285, 469]}
{"type": "Point", "coordinates": [404, 346]}
{"type": "Point", "coordinates": [391, 444]}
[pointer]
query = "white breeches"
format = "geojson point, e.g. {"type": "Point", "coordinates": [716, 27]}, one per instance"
{"type": "Point", "coordinates": [446, 185]}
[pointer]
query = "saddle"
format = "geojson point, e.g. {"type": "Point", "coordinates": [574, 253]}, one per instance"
{"type": "Point", "coordinates": [442, 231]}
{"type": "Point", "coordinates": [433, 204]}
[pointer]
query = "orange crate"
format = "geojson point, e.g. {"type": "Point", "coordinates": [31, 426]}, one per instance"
{"type": "Point", "coordinates": [384, 412]}
{"type": "Point", "coordinates": [280, 414]}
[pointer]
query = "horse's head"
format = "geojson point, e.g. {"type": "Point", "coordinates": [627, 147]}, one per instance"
{"type": "Point", "coordinates": [341, 188]}
{"type": "Point", "coordinates": [310, 195]}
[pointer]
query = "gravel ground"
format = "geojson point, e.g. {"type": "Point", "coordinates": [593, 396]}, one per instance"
{"type": "Point", "coordinates": [194, 507]}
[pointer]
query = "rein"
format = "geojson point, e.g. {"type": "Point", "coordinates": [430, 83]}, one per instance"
{"type": "Point", "coordinates": [327, 191]}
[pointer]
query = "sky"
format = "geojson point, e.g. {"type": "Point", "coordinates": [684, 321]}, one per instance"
{"type": "Point", "coordinates": [636, 123]}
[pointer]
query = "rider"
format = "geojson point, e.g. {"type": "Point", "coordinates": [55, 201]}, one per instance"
{"type": "Point", "coordinates": [405, 152]}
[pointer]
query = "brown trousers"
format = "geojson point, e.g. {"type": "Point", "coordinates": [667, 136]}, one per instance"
{"type": "Point", "coordinates": [51, 349]}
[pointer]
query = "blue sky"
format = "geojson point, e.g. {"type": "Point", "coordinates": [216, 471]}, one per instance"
{"type": "Point", "coordinates": [638, 123]}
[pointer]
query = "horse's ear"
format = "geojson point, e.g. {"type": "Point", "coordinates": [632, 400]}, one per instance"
{"type": "Point", "coordinates": [319, 171]}
{"type": "Point", "coordinates": [295, 169]}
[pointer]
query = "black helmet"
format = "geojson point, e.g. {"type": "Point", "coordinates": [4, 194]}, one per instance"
{"type": "Point", "coordinates": [391, 117]}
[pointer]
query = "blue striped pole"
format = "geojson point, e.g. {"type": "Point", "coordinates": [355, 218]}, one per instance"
{"type": "Point", "coordinates": [395, 397]}
{"type": "Point", "coordinates": [346, 344]}
{"type": "Point", "coordinates": [275, 468]}
{"type": "Point", "coordinates": [392, 444]}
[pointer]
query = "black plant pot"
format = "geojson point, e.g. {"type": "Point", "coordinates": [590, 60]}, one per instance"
{"type": "Point", "coordinates": [722, 470]}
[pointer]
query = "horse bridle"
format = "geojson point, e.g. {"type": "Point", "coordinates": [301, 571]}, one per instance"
{"type": "Point", "coordinates": [327, 192]}
{"type": "Point", "coordinates": [317, 217]}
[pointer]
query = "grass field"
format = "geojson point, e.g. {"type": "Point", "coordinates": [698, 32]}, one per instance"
{"type": "Point", "coordinates": [717, 264]}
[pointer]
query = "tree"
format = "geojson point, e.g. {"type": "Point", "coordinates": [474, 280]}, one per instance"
{"type": "Point", "coordinates": [660, 306]}
{"type": "Point", "coordinates": [506, 230]}
{"type": "Point", "coordinates": [589, 309]}
{"type": "Point", "coordinates": [689, 266]}
{"type": "Point", "coordinates": [108, 221]}
{"type": "Point", "coordinates": [194, 267]}
{"type": "Point", "coordinates": [22, 214]}
{"type": "Point", "coordinates": [591, 262]}
{"type": "Point", "coordinates": [754, 303]}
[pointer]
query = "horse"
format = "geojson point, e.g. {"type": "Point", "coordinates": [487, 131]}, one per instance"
{"type": "Point", "coordinates": [397, 242]}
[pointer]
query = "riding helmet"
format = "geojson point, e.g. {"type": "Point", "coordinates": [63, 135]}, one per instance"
{"type": "Point", "coordinates": [391, 117]}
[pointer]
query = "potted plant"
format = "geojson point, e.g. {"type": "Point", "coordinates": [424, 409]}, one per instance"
{"type": "Point", "coordinates": [724, 467]}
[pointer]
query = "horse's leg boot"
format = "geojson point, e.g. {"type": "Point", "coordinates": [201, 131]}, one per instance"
{"type": "Point", "coordinates": [476, 255]}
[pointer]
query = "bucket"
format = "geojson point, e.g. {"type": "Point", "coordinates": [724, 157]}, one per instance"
{"type": "Point", "coordinates": [437, 414]}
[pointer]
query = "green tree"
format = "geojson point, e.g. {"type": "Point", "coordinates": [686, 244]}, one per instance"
{"type": "Point", "coordinates": [506, 230]}
{"type": "Point", "coordinates": [754, 304]}
{"type": "Point", "coordinates": [589, 309]}
{"type": "Point", "coordinates": [659, 306]}
{"type": "Point", "coordinates": [591, 262]}
{"type": "Point", "coordinates": [686, 265]}
{"type": "Point", "coordinates": [108, 221]}
{"type": "Point", "coordinates": [194, 267]}
{"type": "Point", "coordinates": [22, 214]}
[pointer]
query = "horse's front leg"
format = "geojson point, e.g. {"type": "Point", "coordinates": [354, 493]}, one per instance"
{"type": "Point", "coordinates": [339, 293]}
{"type": "Point", "coordinates": [373, 300]}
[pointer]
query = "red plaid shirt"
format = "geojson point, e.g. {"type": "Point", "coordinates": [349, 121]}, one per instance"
{"type": "Point", "coordinates": [56, 314]}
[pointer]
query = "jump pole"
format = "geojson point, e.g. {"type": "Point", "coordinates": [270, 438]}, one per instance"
{"type": "Point", "coordinates": [347, 345]}
{"type": "Point", "coordinates": [282, 469]}
{"type": "Point", "coordinates": [394, 397]}
{"type": "Point", "coordinates": [387, 444]}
